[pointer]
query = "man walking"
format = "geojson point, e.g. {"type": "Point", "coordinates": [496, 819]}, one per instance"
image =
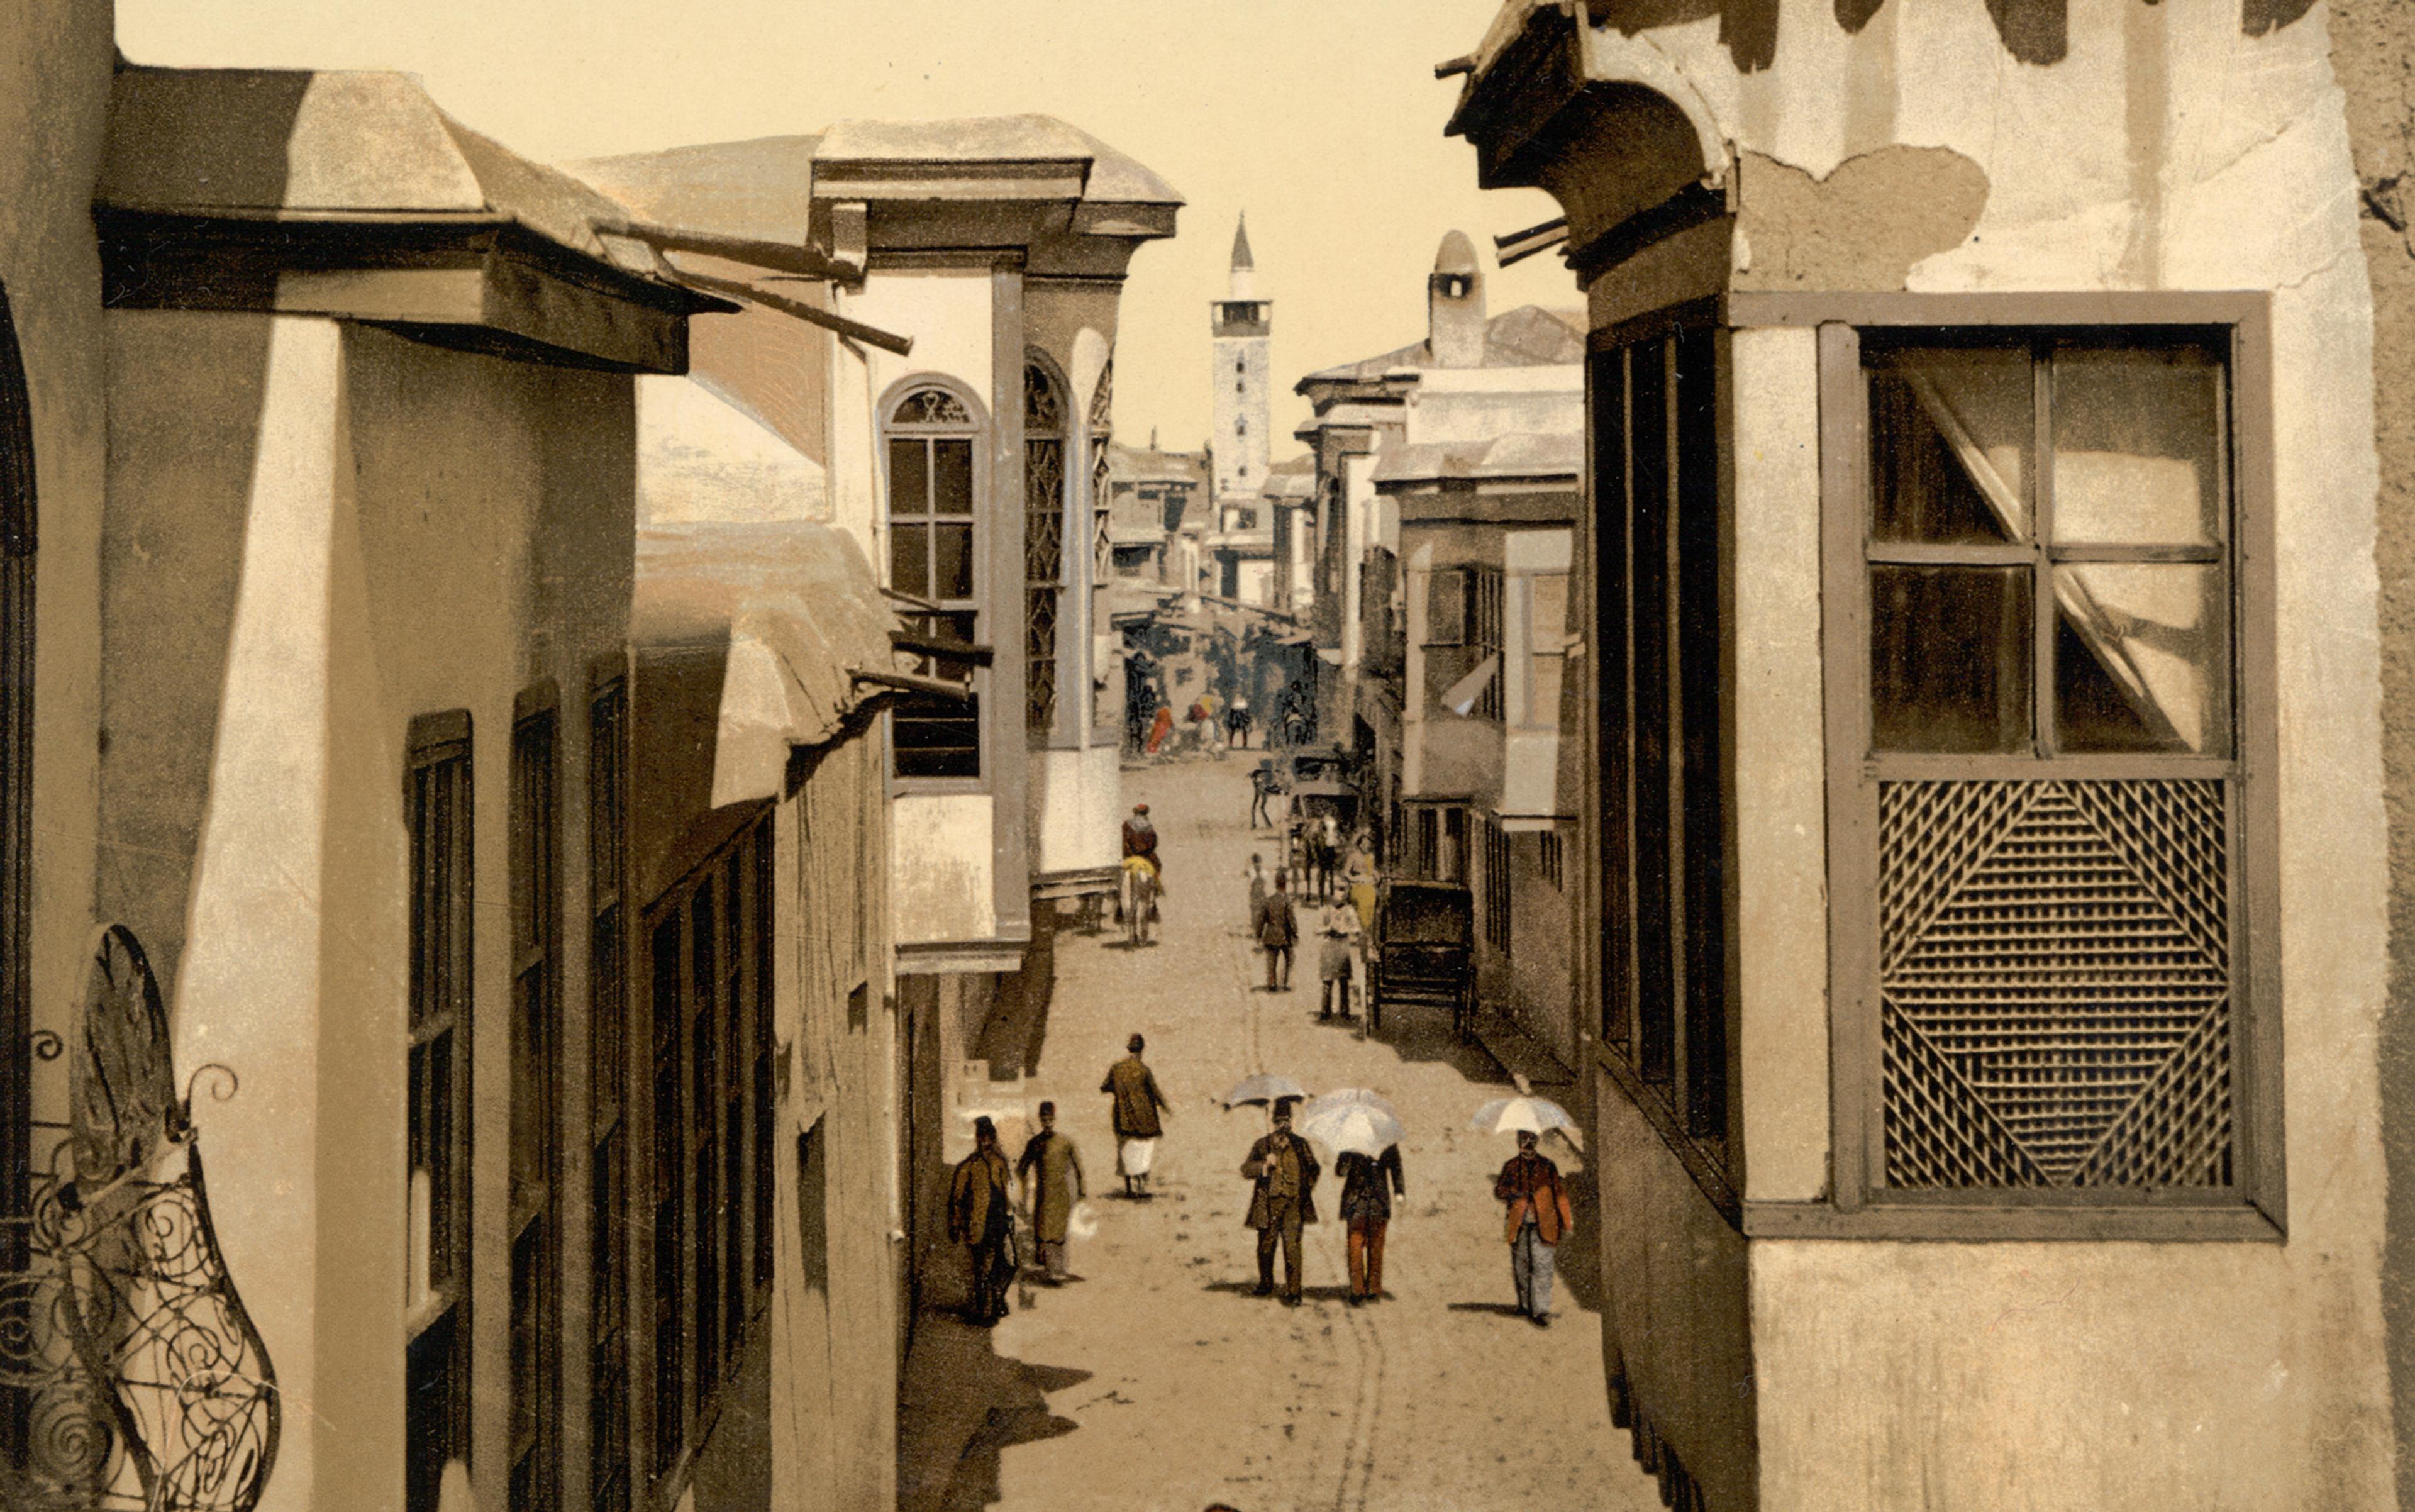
{"type": "Point", "coordinates": [1283, 1202]}
{"type": "Point", "coordinates": [1133, 1086]}
{"type": "Point", "coordinates": [1258, 882]}
{"type": "Point", "coordinates": [1538, 1217]}
{"type": "Point", "coordinates": [1368, 1184]}
{"type": "Point", "coordinates": [1336, 963]}
{"type": "Point", "coordinates": [1278, 931]}
{"type": "Point", "coordinates": [981, 1216]}
{"type": "Point", "coordinates": [1050, 1173]}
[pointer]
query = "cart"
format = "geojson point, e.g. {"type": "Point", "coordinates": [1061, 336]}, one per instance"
{"type": "Point", "coordinates": [1422, 949]}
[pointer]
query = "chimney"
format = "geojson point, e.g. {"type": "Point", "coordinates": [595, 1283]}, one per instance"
{"type": "Point", "coordinates": [1455, 305]}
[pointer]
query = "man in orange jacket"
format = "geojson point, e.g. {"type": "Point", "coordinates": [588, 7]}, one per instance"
{"type": "Point", "coordinates": [1538, 1217]}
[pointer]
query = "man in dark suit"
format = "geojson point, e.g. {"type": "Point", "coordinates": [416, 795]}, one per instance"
{"type": "Point", "coordinates": [1284, 1201]}
{"type": "Point", "coordinates": [1277, 927]}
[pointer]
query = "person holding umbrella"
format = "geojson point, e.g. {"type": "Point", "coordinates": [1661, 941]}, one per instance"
{"type": "Point", "coordinates": [1283, 1202]}
{"type": "Point", "coordinates": [982, 1218]}
{"type": "Point", "coordinates": [1365, 1135]}
{"type": "Point", "coordinates": [1538, 1217]}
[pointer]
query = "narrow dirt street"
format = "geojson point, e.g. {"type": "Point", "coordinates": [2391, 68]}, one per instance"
{"type": "Point", "coordinates": [1157, 1381]}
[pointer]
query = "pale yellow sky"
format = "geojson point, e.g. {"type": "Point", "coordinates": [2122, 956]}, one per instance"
{"type": "Point", "coordinates": [1322, 118]}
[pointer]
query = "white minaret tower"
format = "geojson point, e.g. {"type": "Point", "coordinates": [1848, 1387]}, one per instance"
{"type": "Point", "coordinates": [1237, 377]}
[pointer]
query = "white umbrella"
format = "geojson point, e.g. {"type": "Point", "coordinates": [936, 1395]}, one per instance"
{"type": "Point", "coordinates": [1347, 1127]}
{"type": "Point", "coordinates": [1535, 1116]}
{"type": "Point", "coordinates": [1263, 1087]}
{"type": "Point", "coordinates": [1342, 1095]}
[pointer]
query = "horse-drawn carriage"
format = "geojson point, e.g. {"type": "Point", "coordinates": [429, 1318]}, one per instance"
{"type": "Point", "coordinates": [1422, 949]}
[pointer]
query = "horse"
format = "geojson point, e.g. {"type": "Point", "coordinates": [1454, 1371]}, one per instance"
{"type": "Point", "coordinates": [1139, 904]}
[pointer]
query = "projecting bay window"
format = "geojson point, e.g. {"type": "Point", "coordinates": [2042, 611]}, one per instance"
{"type": "Point", "coordinates": [932, 452]}
{"type": "Point", "coordinates": [2047, 652]}
{"type": "Point", "coordinates": [1665, 856]}
{"type": "Point", "coordinates": [439, 818]}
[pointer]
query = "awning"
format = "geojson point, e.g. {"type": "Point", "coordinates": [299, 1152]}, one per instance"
{"type": "Point", "coordinates": [795, 611]}
{"type": "Point", "coordinates": [1462, 694]}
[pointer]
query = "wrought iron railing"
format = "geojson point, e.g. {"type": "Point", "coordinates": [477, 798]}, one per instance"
{"type": "Point", "coordinates": [131, 1378]}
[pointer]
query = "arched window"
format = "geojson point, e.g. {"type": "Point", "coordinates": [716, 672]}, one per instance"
{"type": "Point", "coordinates": [1044, 541]}
{"type": "Point", "coordinates": [16, 788]}
{"type": "Point", "coordinates": [933, 447]}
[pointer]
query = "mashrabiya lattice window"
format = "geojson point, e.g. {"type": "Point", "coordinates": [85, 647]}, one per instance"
{"type": "Point", "coordinates": [2050, 578]}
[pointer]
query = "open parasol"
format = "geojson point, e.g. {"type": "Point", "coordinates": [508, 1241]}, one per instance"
{"type": "Point", "coordinates": [1347, 1127]}
{"type": "Point", "coordinates": [1535, 1116]}
{"type": "Point", "coordinates": [1263, 1087]}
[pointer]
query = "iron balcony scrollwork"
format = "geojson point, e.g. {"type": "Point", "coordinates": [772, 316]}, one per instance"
{"type": "Point", "coordinates": [132, 1378]}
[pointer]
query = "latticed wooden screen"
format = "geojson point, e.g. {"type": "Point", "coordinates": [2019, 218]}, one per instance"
{"type": "Point", "coordinates": [1044, 541]}
{"type": "Point", "coordinates": [2056, 989]}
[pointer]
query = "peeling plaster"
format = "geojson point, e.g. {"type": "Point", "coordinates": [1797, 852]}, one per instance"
{"type": "Point", "coordinates": [1862, 227]}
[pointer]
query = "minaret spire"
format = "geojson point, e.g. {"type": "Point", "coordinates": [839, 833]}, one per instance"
{"type": "Point", "coordinates": [1244, 278]}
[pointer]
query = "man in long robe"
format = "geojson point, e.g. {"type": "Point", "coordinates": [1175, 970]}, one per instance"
{"type": "Point", "coordinates": [1050, 1173]}
{"type": "Point", "coordinates": [1133, 1086]}
{"type": "Point", "coordinates": [981, 1216]}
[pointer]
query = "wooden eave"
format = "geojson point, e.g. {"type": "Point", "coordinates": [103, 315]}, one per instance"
{"type": "Point", "coordinates": [476, 280]}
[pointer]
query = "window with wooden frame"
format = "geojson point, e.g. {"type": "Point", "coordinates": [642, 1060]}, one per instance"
{"type": "Point", "coordinates": [933, 444]}
{"type": "Point", "coordinates": [711, 1006]}
{"type": "Point", "coordinates": [1659, 603]}
{"type": "Point", "coordinates": [534, 1220]}
{"type": "Point", "coordinates": [1546, 648]}
{"type": "Point", "coordinates": [1484, 640]}
{"type": "Point", "coordinates": [610, 1227]}
{"type": "Point", "coordinates": [2049, 652]}
{"type": "Point", "coordinates": [440, 820]}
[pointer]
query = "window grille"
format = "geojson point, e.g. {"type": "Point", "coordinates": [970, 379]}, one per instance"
{"type": "Point", "coordinates": [535, 1134]}
{"type": "Point", "coordinates": [439, 818]}
{"type": "Point", "coordinates": [1043, 543]}
{"type": "Point", "coordinates": [2048, 581]}
{"type": "Point", "coordinates": [931, 452]}
{"type": "Point", "coordinates": [1666, 1002]}
{"type": "Point", "coordinates": [1548, 857]}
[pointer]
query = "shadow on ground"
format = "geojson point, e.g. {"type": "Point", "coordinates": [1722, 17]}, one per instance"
{"type": "Point", "coordinates": [963, 1405]}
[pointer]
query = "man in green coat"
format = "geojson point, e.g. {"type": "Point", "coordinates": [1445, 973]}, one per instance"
{"type": "Point", "coordinates": [981, 1216]}
{"type": "Point", "coordinates": [1050, 1173]}
{"type": "Point", "coordinates": [1284, 1197]}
